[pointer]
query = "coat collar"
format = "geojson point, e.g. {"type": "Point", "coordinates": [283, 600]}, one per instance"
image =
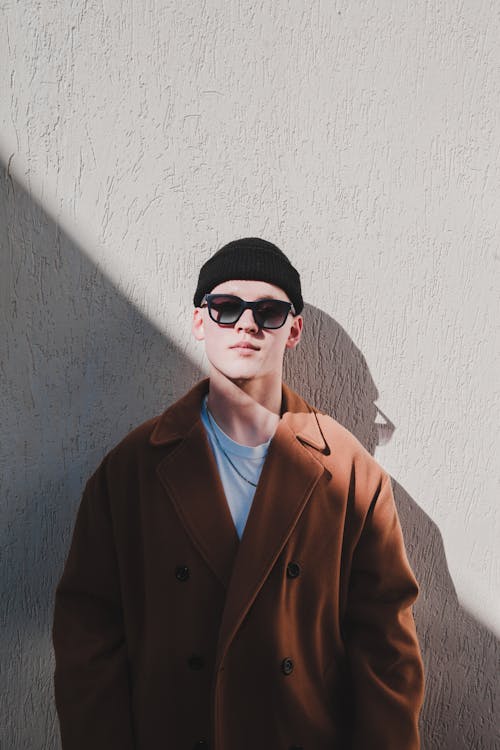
{"type": "Point", "coordinates": [190, 477]}
{"type": "Point", "coordinates": [176, 422]}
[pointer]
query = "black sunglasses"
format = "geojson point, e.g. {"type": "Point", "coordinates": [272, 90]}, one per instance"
{"type": "Point", "coordinates": [226, 309]}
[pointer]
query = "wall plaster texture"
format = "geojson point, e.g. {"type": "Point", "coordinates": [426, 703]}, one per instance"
{"type": "Point", "coordinates": [363, 138]}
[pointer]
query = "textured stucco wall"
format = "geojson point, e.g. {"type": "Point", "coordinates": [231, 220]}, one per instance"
{"type": "Point", "coordinates": [363, 137]}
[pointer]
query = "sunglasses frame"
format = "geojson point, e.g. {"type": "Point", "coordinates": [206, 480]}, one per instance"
{"type": "Point", "coordinates": [244, 305]}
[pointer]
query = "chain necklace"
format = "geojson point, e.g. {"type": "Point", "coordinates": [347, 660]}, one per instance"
{"type": "Point", "coordinates": [211, 420]}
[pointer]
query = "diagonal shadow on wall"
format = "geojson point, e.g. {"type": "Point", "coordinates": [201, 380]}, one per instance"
{"type": "Point", "coordinates": [80, 366]}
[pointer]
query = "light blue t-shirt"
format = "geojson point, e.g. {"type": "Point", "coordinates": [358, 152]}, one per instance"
{"type": "Point", "coordinates": [249, 461]}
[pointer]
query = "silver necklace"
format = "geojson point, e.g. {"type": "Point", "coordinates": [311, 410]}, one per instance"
{"type": "Point", "coordinates": [211, 420]}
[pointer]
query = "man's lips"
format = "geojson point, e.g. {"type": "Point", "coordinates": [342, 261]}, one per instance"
{"type": "Point", "coordinates": [244, 345]}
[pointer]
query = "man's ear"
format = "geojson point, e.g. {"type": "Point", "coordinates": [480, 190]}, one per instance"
{"type": "Point", "coordinates": [295, 332]}
{"type": "Point", "coordinates": [198, 325]}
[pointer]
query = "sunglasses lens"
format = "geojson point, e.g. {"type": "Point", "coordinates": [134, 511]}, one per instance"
{"type": "Point", "coordinates": [225, 310]}
{"type": "Point", "coordinates": [271, 313]}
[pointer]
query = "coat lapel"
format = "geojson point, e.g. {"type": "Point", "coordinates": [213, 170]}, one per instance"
{"type": "Point", "coordinates": [288, 478]}
{"type": "Point", "coordinates": [190, 476]}
{"type": "Point", "coordinates": [191, 479]}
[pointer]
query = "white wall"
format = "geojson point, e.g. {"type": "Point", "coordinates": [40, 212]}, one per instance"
{"type": "Point", "coordinates": [361, 137]}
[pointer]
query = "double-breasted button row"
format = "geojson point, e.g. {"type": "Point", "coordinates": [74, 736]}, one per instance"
{"type": "Point", "coordinates": [182, 572]}
{"type": "Point", "coordinates": [292, 571]}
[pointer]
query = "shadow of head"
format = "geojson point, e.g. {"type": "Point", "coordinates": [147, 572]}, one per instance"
{"type": "Point", "coordinates": [330, 371]}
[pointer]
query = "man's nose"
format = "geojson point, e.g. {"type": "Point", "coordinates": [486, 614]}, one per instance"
{"type": "Point", "coordinates": [247, 322]}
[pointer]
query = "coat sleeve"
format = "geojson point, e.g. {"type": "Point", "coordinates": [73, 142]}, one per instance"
{"type": "Point", "coordinates": [385, 661]}
{"type": "Point", "coordinates": [91, 676]}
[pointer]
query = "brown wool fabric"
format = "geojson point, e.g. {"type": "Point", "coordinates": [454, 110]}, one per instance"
{"type": "Point", "coordinates": [250, 258]}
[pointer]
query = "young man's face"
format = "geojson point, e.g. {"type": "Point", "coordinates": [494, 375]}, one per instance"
{"type": "Point", "coordinates": [243, 351]}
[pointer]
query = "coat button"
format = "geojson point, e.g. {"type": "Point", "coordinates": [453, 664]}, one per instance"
{"type": "Point", "coordinates": [200, 745]}
{"type": "Point", "coordinates": [182, 572]}
{"type": "Point", "coordinates": [287, 666]}
{"type": "Point", "coordinates": [196, 662]}
{"type": "Point", "coordinates": [293, 570]}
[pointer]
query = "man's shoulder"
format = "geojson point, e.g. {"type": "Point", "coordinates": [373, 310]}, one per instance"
{"type": "Point", "coordinates": [165, 428]}
{"type": "Point", "coordinates": [332, 430]}
{"type": "Point", "coordinates": [345, 456]}
{"type": "Point", "coordinates": [339, 436]}
{"type": "Point", "coordinates": [340, 452]}
{"type": "Point", "coordinates": [341, 447]}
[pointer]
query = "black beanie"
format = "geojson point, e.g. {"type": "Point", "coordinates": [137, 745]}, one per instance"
{"type": "Point", "coordinates": [254, 259]}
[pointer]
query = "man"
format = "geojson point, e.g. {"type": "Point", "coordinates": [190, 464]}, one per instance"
{"type": "Point", "coordinates": [237, 577]}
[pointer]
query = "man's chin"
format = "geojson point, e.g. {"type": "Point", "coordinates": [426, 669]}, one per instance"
{"type": "Point", "coordinates": [240, 376]}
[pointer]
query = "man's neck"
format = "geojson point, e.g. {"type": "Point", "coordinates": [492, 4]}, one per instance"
{"type": "Point", "coordinates": [247, 411]}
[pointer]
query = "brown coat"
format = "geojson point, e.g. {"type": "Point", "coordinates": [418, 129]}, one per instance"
{"type": "Point", "coordinates": [170, 633]}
